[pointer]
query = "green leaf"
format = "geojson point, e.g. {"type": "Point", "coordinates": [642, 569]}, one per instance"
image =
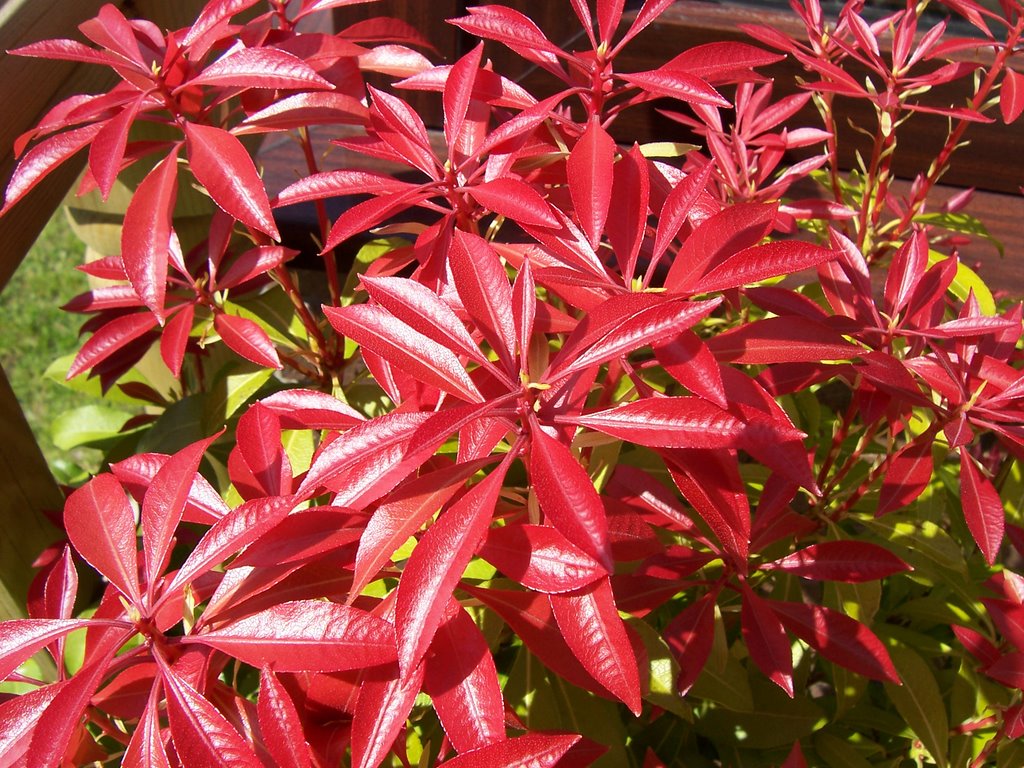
{"type": "Point", "coordinates": [274, 313]}
{"type": "Point", "coordinates": [961, 223]}
{"type": "Point", "coordinates": [1010, 754]}
{"type": "Point", "coordinates": [727, 685]}
{"type": "Point", "coordinates": [967, 280]}
{"type": "Point", "coordinates": [838, 753]}
{"type": "Point", "coordinates": [364, 257]}
{"type": "Point", "coordinates": [664, 670]}
{"type": "Point", "coordinates": [232, 387]}
{"type": "Point", "coordinates": [919, 702]}
{"type": "Point", "coordinates": [178, 426]}
{"type": "Point", "coordinates": [87, 425]}
{"type": "Point", "coordinates": [57, 372]}
{"type": "Point", "coordinates": [922, 544]}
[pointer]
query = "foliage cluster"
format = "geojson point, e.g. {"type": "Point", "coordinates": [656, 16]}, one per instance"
{"type": "Point", "coordinates": [603, 454]}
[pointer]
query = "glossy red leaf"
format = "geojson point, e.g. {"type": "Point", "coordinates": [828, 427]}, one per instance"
{"type": "Point", "coordinates": [19, 716]}
{"type": "Point", "coordinates": [849, 561]}
{"type": "Point", "coordinates": [110, 339]}
{"type": "Point", "coordinates": [631, 190]}
{"type": "Point", "coordinates": [107, 148]}
{"type": "Point", "coordinates": [1011, 95]}
{"type": "Point", "coordinates": [535, 750]}
{"type": "Point", "coordinates": [136, 473]}
{"type": "Point", "coordinates": [280, 725]}
{"type": "Point", "coordinates": [306, 635]}
{"type": "Point", "coordinates": [513, 29]}
{"type": "Point", "coordinates": [223, 166]}
{"type": "Point", "coordinates": [766, 640]}
{"type": "Point", "coordinates": [174, 339]}
{"type": "Point", "coordinates": [62, 49]}
{"type": "Point", "coordinates": [647, 14]}
{"type": "Point", "coordinates": [516, 200]}
{"type": "Point", "coordinates": [21, 638]}
{"type": "Point", "coordinates": [979, 646]}
{"type": "Point", "coordinates": [302, 536]}
{"type": "Point", "coordinates": [710, 481]}
{"type": "Point", "coordinates": [308, 409]}
{"type": "Point", "coordinates": [590, 624]}
{"type": "Point", "coordinates": [147, 748]}
{"type": "Point", "coordinates": [319, 186]}
{"type": "Point", "coordinates": [259, 441]}
{"type": "Point", "coordinates": [676, 84]}
{"type": "Point", "coordinates": [690, 636]}
{"type": "Point", "coordinates": [380, 714]}
{"type": "Point", "coordinates": [909, 473]}
{"type": "Point", "coordinates": [458, 91]}
{"type": "Point", "coordinates": [146, 234]}
{"type": "Point", "coordinates": [304, 109]}
{"type": "Point", "coordinates": [252, 263]}
{"type": "Point", "coordinates": [402, 514]}
{"type": "Point", "coordinates": [983, 509]}
{"type": "Point", "coordinates": [247, 339]}
{"type": "Point", "coordinates": [837, 637]}
{"type": "Point", "coordinates": [44, 158]}
{"type": "Point", "coordinates": [260, 68]}
{"type": "Point", "coordinates": [462, 682]}
{"type": "Point", "coordinates": [781, 340]}
{"type": "Point", "coordinates": [407, 349]}
{"type": "Point", "coordinates": [589, 170]}
{"type": "Point", "coordinates": [1008, 670]}
{"type": "Point", "coordinates": [752, 265]}
{"type": "Point", "coordinates": [567, 496]}
{"type": "Point", "coordinates": [101, 525]}
{"type": "Point", "coordinates": [241, 526]}
{"type": "Point", "coordinates": [164, 505]}
{"type": "Point", "coordinates": [436, 565]}
{"type": "Point", "coordinates": [669, 422]}
{"type": "Point", "coordinates": [368, 214]}
{"type": "Point", "coordinates": [524, 311]}
{"type": "Point", "coordinates": [540, 558]}
{"type": "Point", "coordinates": [483, 287]}
{"type": "Point", "coordinates": [688, 360]}
{"type": "Point", "coordinates": [212, 16]}
{"type": "Point", "coordinates": [201, 733]}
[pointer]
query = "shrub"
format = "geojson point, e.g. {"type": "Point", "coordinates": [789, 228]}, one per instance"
{"type": "Point", "coordinates": [603, 453]}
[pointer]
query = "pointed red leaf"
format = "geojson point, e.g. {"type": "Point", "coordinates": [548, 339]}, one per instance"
{"type": "Point", "coordinates": [259, 441]}
{"type": "Point", "coordinates": [568, 497]}
{"type": "Point", "coordinates": [688, 360]}
{"type": "Point", "coordinates": [241, 526]}
{"type": "Point", "coordinates": [524, 310]}
{"type": "Point", "coordinates": [677, 85]}
{"type": "Point", "coordinates": [837, 637]}
{"type": "Point", "coordinates": [1011, 95]}
{"type": "Point", "coordinates": [540, 558]}
{"type": "Point", "coordinates": [589, 170]}
{"type": "Point", "coordinates": [909, 473]}
{"type": "Point", "coordinates": [44, 158]}
{"type": "Point", "coordinates": [590, 624]}
{"type": "Point", "coordinates": [304, 109]}
{"type": "Point", "coordinates": [147, 749]}
{"type": "Point", "coordinates": [710, 481]}
{"type": "Point", "coordinates": [463, 683]}
{"type": "Point", "coordinates": [212, 16]}
{"type": "Point", "coordinates": [436, 565]}
{"type": "Point", "coordinates": [247, 339]}
{"type": "Point", "coordinates": [380, 714]}
{"type": "Point", "coordinates": [368, 214]}
{"type": "Point", "coordinates": [319, 186]}
{"type": "Point", "coordinates": [260, 68]}
{"type": "Point", "coordinates": [305, 635]}
{"type": "Point", "coordinates": [21, 638]}
{"type": "Point", "coordinates": [458, 91]}
{"type": "Point", "coordinates": [631, 190]}
{"type": "Point", "coordinates": [535, 750]}
{"type": "Point", "coordinates": [202, 735]}
{"type": "Point", "coordinates": [766, 640]}
{"type": "Point", "coordinates": [402, 514]}
{"type": "Point", "coordinates": [280, 724]}
{"type": "Point", "coordinates": [983, 509]}
{"type": "Point", "coordinates": [650, 11]}
{"type": "Point", "coordinates": [690, 636]}
{"type": "Point", "coordinates": [483, 286]}
{"type": "Point", "coordinates": [174, 339]}
{"type": "Point", "coordinates": [516, 200]}
{"type": "Point", "coordinates": [761, 262]}
{"type": "Point", "coordinates": [107, 148]}
{"type": "Point", "coordinates": [781, 340]}
{"type": "Point", "coordinates": [19, 716]}
{"type": "Point", "coordinates": [146, 234]}
{"type": "Point", "coordinates": [164, 505]}
{"type": "Point", "coordinates": [101, 525]}
{"type": "Point", "coordinates": [110, 339]}
{"type": "Point", "coordinates": [849, 561]}
{"type": "Point", "coordinates": [513, 29]}
{"type": "Point", "coordinates": [136, 473]}
{"type": "Point", "coordinates": [252, 263]}
{"type": "Point", "coordinates": [223, 166]}
{"type": "Point", "coordinates": [408, 350]}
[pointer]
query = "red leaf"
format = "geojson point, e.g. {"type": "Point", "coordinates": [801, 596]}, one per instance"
{"type": "Point", "coordinates": [669, 422]}
{"type": "Point", "coordinates": [1008, 670]}
{"type": "Point", "coordinates": [589, 170]}
{"type": "Point", "coordinates": [458, 91]}
{"type": "Point", "coordinates": [147, 748]}
{"type": "Point", "coordinates": [280, 724]}
{"type": "Point", "coordinates": [909, 473]}
{"type": "Point", "coordinates": [407, 349]}
{"type": "Point", "coordinates": [241, 526]}
{"type": "Point", "coordinates": [260, 68]}
{"type": "Point", "coordinates": [781, 340]}
{"type": "Point", "coordinates": [305, 636]}
{"type": "Point", "coordinates": [983, 509]}
{"type": "Point", "coordinates": [795, 758]}
{"type": "Point", "coordinates": [107, 148]}
{"type": "Point", "coordinates": [979, 646]}
{"type": "Point", "coordinates": [536, 750]}
{"type": "Point", "coordinates": [677, 85]}
{"type": "Point", "coordinates": [202, 735]}
{"type": "Point", "coordinates": [524, 311]}
{"type": "Point", "coordinates": [252, 263]}
{"type": "Point", "coordinates": [301, 110]}
{"type": "Point", "coordinates": [540, 558]}
{"type": "Point", "coordinates": [688, 360]}
{"type": "Point", "coordinates": [101, 525]}
{"type": "Point", "coordinates": [223, 166]}
{"type": "Point", "coordinates": [1011, 95]}
{"type": "Point", "coordinates": [259, 441]}
{"type": "Point", "coordinates": [67, 50]}
{"type": "Point", "coordinates": [44, 158]}
{"type": "Point", "coordinates": [690, 636]}
{"type": "Point", "coordinates": [650, 11]}
{"type": "Point", "coordinates": [174, 338]}
{"type": "Point", "coordinates": [146, 234]}
{"type": "Point", "coordinates": [590, 624]}
{"type": "Point", "coordinates": [849, 561]}
{"type": "Point", "coordinates": [463, 683]}
{"type": "Point", "coordinates": [337, 183]}
{"type": "Point", "coordinates": [840, 639]}
{"type": "Point", "coordinates": [381, 710]}
{"type": "Point", "coordinates": [515, 200]}
{"type": "Point", "coordinates": [483, 287]}
{"type": "Point", "coordinates": [631, 190]}
{"type": "Point", "coordinates": [19, 716]}
{"type": "Point", "coordinates": [436, 565]}
{"type": "Point", "coordinates": [164, 505]}
{"type": "Point", "coordinates": [368, 214]}
{"type": "Point", "coordinates": [752, 265]}
{"type": "Point", "coordinates": [212, 16]}
{"type": "Point", "coordinates": [21, 638]}
{"type": "Point", "coordinates": [136, 473]}
{"type": "Point", "coordinates": [513, 29]}
{"type": "Point", "coordinates": [766, 640]}
{"type": "Point", "coordinates": [710, 481]}
{"type": "Point", "coordinates": [247, 339]}
{"type": "Point", "coordinates": [402, 514]}
{"type": "Point", "coordinates": [309, 409]}
{"type": "Point", "coordinates": [567, 496]}
{"type": "Point", "coordinates": [110, 339]}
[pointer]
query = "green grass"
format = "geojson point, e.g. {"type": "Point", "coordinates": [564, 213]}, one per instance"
{"type": "Point", "coordinates": [34, 331]}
